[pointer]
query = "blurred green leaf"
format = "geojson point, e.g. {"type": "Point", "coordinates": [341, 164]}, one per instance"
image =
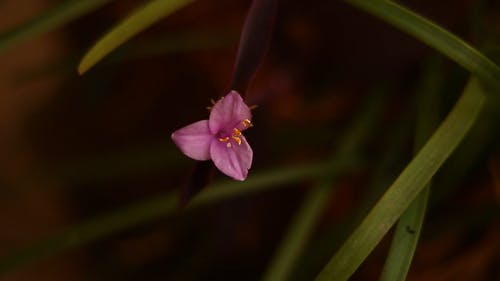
{"type": "Point", "coordinates": [315, 202]}
{"type": "Point", "coordinates": [407, 186]}
{"type": "Point", "coordinates": [434, 36]}
{"type": "Point", "coordinates": [51, 19]}
{"type": "Point", "coordinates": [120, 164]}
{"type": "Point", "coordinates": [408, 229]}
{"type": "Point", "coordinates": [383, 165]}
{"type": "Point", "coordinates": [162, 205]}
{"type": "Point", "coordinates": [298, 233]}
{"type": "Point", "coordinates": [157, 45]}
{"type": "Point", "coordinates": [141, 19]}
{"type": "Point", "coordinates": [475, 149]}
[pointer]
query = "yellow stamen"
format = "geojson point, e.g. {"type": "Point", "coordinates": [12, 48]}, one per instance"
{"type": "Point", "coordinates": [236, 136]}
{"type": "Point", "coordinates": [247, 123]}
{"type": "Point", "coordinates": [237, 140]}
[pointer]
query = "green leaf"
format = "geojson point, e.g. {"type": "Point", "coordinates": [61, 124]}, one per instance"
{"type": "Point", "coordinates": [408, 229]}
{"type": "Point", "coordinates": [161, 205]}
{"type": "Point", "coordinates": [141, 19]}
{"type": "Point", "coordinates": [298, 234]}
{"type": "Point", "coordinates": [405, 239]}
{"type": "Point", "coordinates": [407, 186]}
{"type": "Point", "coordinates": [434, 36]}
{"type": "Point", "coordinates": [158, 45]}
{"type": "Point", "coordinates": [51, 19]}
{"type": "Point", "coordinates": [315, 202]}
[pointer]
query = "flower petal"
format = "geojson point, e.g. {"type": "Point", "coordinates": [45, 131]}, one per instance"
{"type": "Point", "coordinates": [194, 140]}
{"type": "Point", "coordinates": [233, 161]}
{"type": "Point", "coordinates": [228, 112]}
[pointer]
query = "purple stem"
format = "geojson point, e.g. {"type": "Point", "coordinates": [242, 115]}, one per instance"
{"type": "Point", "coordinates": [254, 42]}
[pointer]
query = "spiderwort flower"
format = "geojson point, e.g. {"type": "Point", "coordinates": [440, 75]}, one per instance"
{"type": "Point", "coordinates": [220, 137]}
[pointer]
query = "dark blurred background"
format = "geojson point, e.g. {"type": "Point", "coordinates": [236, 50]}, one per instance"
{"type": "Point", "coordinates": [74, 147]}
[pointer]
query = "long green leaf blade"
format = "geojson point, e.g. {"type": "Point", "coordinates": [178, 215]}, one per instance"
{"type": "Point", "coordinates": [405, 239]}
{"type": "Point", "coordinates": [300, 230]}
{"type": "Point", "coordinates": [141, 19]}
{"type": "Point", "coordinates": [161, 205]}
{"type": "Point", "coordinates": [315, 202]}
{"type": "Point", "coordinates": [51, 19]}
{"type": "Point", "coordinates": [407, 186]}
{"type": "Point", "coordinates": [409, 226]}
{"type": "Point", "coordinates": [434, 36]}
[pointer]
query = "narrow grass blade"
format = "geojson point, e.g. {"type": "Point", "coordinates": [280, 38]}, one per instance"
{"type": "Point", "coordinates": [298, 233]}
{"type": "Point", "coordinates": [53, 18]}
{"type": "Point", "coordinates": [473, 149]}
{"type": "Point", "coordinates": [330, 239]}
{"type": "Point", "coordinates": [161, 205]}
{"type": "Point", "coordinates": [56, 17]}
{"type": "Point", "coordinates": [141, 19]}
{"type": "Point", "coordinates": [407, 186]}
{"type": "Point", "coordinates": [434, 36]}
{"type": "Point", "coordinates": [408, 229]}
{"type": "Point", "coordinates": [315, 202]}
{"type": "Point", "coordinates": [160, 45]}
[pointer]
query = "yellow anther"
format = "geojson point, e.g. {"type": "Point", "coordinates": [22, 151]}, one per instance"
{"type": "Point", "coordinates": [236, 137]}
{"type": "Point", "coordinates": [236, 132]}
{"type": "Point", "coordinates": [247, 123]}
{"type": "Point", "coordinates": [237, 140]}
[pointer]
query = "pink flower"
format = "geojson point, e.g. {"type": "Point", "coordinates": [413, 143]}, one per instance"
{"type": "Point", "coordinates": [220, 137]}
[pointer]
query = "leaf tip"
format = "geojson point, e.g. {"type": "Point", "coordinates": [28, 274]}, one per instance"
{"type": "Point", "coordinates": [83, 66]}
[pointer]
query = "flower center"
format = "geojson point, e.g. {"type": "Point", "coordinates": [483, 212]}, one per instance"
{"type": "Point", "coordinates": [236, 134]}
